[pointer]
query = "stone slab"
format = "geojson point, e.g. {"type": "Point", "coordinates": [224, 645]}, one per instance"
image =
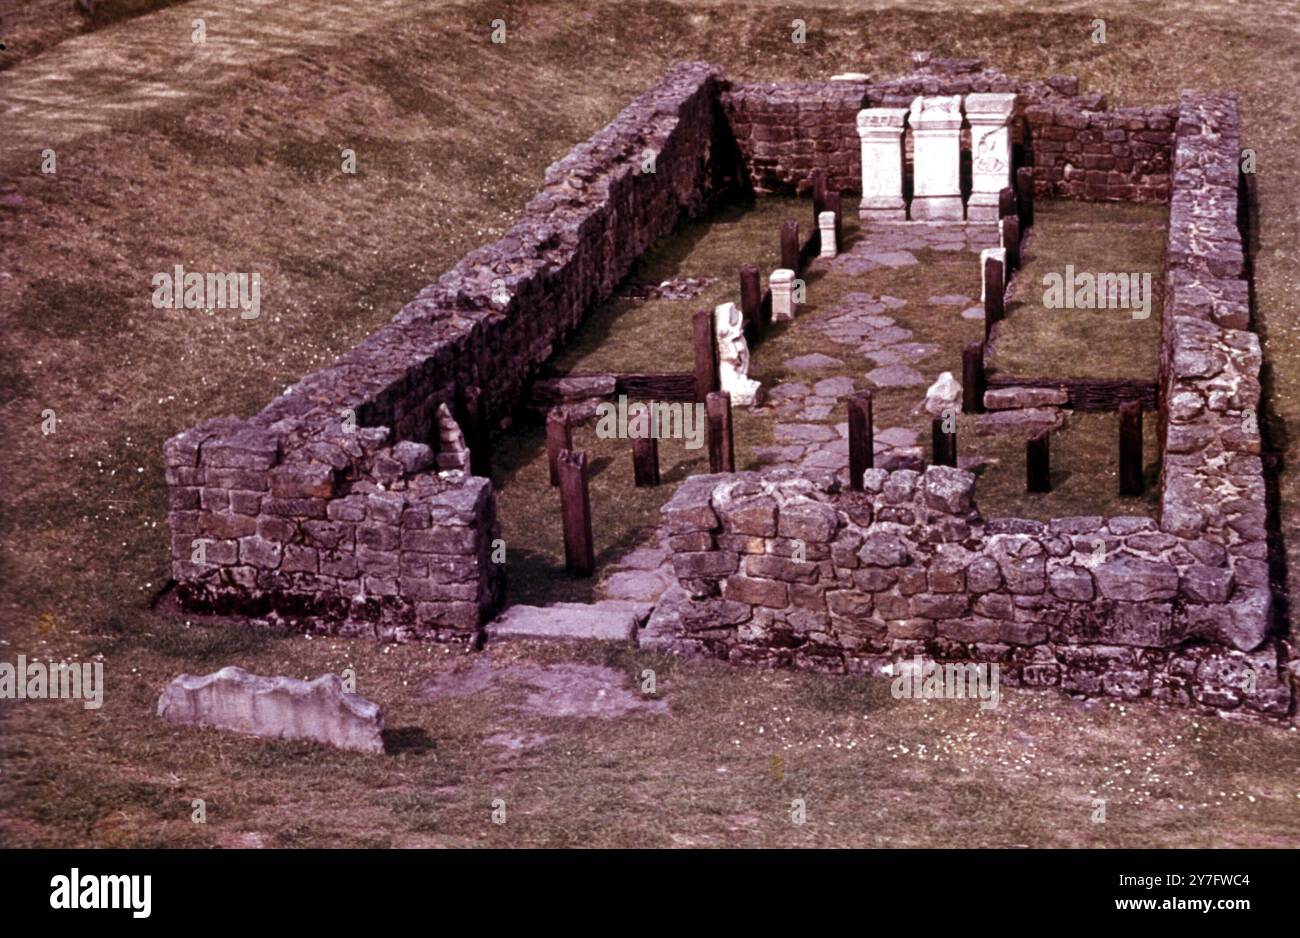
{"type": "Point", "coordinates": [275, 707]}
{"type": "Point", "coordinates": [608, 620]}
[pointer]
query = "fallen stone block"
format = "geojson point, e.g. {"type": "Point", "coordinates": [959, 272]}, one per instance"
{"type": "Point", "coordinates": [1019, 398]}
{"type": "Point", "coordinates": [577, 388]}
{"type": "Point", "coordinates": [275, 707]}
{"type": "Point", "coordinates": [1029, 420]}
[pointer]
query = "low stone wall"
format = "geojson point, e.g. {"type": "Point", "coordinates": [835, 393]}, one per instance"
{"type": "Point", "coordinates": [327, 506]}
{"type": "Point", "coordinates": [1212, 477]}
{"type": "Point", "coordinates": [784, 569]}
{"type": "Point", "coordinates": [1077, 147]}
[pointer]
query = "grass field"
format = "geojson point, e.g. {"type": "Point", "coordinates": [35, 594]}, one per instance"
{"type": "Point", "coordinates": [1078, 238]}
{"type": "Point", "coordinates": [225, 156]}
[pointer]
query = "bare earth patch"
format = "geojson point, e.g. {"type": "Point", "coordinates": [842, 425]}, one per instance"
{"type": "Point", "coordinates": [557, 690]}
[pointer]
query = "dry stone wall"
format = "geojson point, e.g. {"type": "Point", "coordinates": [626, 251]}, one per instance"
{"type": "Point", "coordinates": [328, 506]}
{"type": "Point", "coordinates": [784, 569]}
{"type": "Point", "coordinates": [1212, 476]}
{"type": "Point", "coordinates": [1078, 148]}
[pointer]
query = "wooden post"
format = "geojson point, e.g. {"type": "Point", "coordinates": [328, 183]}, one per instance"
{"type": "Point", "coordinates": [645, 460]}
{"type": "Point", "coordinates": [862, 454]}
{"type": "Point", "coordinates": [819, 193]}
{"type": "Point", "coordinates": [706, 354]}
{"type": "Point", "coordinates": [559, 436]}
{"type": "Point", "coordinates": [790, 245]}
{"type": "Point", "coordinates": [1025, 196]}
{"type": "Point", "coordinates": [993, 297]}
{"type": "Point", "coordinates": [972, 378]}
{"type": "Point", "coordinates": [1130, 448]}
{"type": "Point", "coordinates": [1011, 239]}
{"type": "Point", "coordinates": [1038, 462]}
{"type": "Point", "coordinates": [476, 433]}
{"type": "Point", "coordinates": [943, 445]}
{"type": "Point", "coordinates": [835, 203]}
{"type": "Point", "coordinates": [751, 302]}
{"type": "Point", "coordinates": [1006, 202]}
{"type": "Point", "coordinates": [575, 514]}
{"type": "Point", "coordinates": [722, 457]}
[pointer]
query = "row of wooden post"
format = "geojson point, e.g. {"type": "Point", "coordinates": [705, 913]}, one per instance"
{"type": "Point", "coordinates": [569, 468]}
{"type": "Point", "coordinates": [1038, 459]}
{"type": "Point", "coordinates": [562, 460]}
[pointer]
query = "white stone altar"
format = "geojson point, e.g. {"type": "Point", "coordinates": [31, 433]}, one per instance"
{"type": "Point", "coordinates": [781, 283]}
{"type": "Point", "coordinates": [990, 135]}
{"type": "Point", "coordinates": [881, 132]}
{"type": "Point", "coordinates": [936, 135]}
{"type": "Point", "coordinates": [826, 226]}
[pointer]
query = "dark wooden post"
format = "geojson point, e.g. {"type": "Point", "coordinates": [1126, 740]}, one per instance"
{"type": "Point", "coordinates": [790, 245]}
{"type": "Point", "coordinates": [645, 460]}
{"type": "Point", "coordinates": [972, 378]}
{"type": "Point", "coordinates": [862, 453]}
{"type": "Point", "coordinates": [722, 457]}
{"type": "Point", "coordinates": [1038, 462]}
{"type": "Point", "coordinates": [706, 354]}
{"type": "Point", "coordinates": [1011, 239]}
{"type": "Point", "coordinates": [751, 302]}
{"type": "Point", "coordinates": [575, 514]}
{"type": "Point", "coordinates": [1025, 196]}
{"type": "Point", "coordinates": [993, 299]}
{"type": "Point", "coordinates": [559, 436]}
{"type": "Point", "coordinates": [1130, 448]}
{"type": "Point", "coordinates": [819, 192]}
{"type": "Point", "coordinates": [1006, 202]}
{"type": "Point", "coordinates": [476, 433]}
{"type": "Point", "coordinates": [943, 445]}
{"type": "Point", "coordinates": [835, 203]}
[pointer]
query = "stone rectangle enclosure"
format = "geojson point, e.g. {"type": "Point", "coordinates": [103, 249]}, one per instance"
{"type": "Point", "coordinates": [328, 508]}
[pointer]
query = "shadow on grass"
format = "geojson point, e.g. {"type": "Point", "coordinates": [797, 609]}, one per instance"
{"type": "Point", "coordinates": [407, 739]}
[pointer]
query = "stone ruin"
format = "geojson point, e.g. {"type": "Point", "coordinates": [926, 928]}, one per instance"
{"type": "Point", "coordinates": [348, 505]}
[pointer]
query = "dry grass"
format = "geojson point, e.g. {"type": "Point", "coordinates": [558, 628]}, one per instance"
{"type": "Point", "coordinates": [720, 769]}
{"type": "Point", "coordinates": [226, 158]}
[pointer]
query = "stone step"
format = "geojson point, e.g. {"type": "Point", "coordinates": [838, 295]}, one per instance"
{"type": "Point", "coordinates": [607, 620]}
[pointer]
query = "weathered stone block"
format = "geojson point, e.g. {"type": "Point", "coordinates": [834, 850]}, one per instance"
{"type": "Point", "coordinates": [781, 568]}
{"type": "Point", "coordinates": [806, 520]}
{"type": "Point", "coordinates": [754, 592]}
{"type": "Point", "coordinates": [275, 707]}
{"type": "Point", "coordinates": [1135, 579]}
{"type": "Point", "coordinates": [1073, 583]}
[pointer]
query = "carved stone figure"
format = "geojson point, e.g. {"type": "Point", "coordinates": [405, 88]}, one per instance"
{"type": "Point", "coordinates": [733, 356]}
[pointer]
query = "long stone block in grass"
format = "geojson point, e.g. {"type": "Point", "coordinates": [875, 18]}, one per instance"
{"type": "Point", "coordinates": [275, 708]}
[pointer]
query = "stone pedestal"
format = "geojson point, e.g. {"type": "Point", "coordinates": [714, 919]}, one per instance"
{"type": "Point", "coordinates": [881, 132]}
{"type": "Point", "coordinates": [936, 178]}
{"type": "Point", "coordinates": [781, 283]}
{"type": "Point", "coordinates": [990, 136]}
{"type": "Point", "coordinates": [826, 225]}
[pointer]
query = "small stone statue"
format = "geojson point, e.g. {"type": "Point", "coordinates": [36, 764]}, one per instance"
{"type": "Point", "coordinates": [733, 356]}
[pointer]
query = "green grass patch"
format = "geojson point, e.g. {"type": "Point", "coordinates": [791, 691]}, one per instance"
{"type": "Point", "coordinates": [1038, 341]}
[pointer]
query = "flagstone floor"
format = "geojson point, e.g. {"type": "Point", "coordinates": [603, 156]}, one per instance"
{"type": "Point", "coordinates": [862, 322]}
